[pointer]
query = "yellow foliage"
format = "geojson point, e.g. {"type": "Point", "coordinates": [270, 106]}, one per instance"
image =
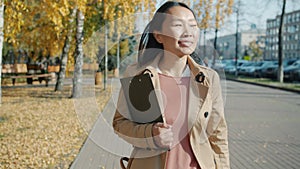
{"type": "Point", "coordinates": [42, 25]}
{"type": "Point", "coordinates": [35, 25]}
{"type": "Point", "coordinates": [212, 13]}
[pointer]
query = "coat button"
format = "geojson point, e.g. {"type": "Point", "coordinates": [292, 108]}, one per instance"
{"type": "Point", "coordinates": [205, 114]}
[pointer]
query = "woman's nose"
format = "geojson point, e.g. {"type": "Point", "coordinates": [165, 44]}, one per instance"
{"type": "Point", "coordinates": [186, 35]}
{"type": "Point", "coordinates": [187, 31]}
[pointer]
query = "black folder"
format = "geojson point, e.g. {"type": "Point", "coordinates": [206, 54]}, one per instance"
{"type": "Point", "coordinates": [141, 99]}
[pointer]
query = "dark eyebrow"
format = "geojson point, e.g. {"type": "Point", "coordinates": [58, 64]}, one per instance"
{"type": "Point", "coordinates": [181, 20]}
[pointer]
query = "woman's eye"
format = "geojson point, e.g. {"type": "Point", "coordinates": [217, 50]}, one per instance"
{"type": "Point", "coordinates": [177, 24]}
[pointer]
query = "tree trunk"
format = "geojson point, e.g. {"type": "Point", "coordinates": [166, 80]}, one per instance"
{"type": "Point", "coordinates": [1, 45]}
{"type": "Point", "coordinates": [77, 80]}
{"type": "Point", "coordinates": [64, 57]}
{"type": "Point", "coordinates": [280, 53]}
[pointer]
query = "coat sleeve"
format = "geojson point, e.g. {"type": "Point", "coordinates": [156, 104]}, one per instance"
{"type": "Point", "coordinates": [217, 127]}
{"type": "Point", "coordinates": [139, 135]}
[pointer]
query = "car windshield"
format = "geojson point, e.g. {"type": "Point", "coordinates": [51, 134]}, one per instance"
{"type": "Point", "coordinates": [258, 64]}
{"type": "Point", "coordinates": [296, 63]}
{"type": "Point", "coordinates": [247, 64]}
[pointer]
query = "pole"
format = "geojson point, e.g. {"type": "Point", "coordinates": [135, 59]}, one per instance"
{"type": "Point", "coordinates": [236, 39]}
{"type": "Point", "coordinates": [118, 58]}
{"type": "Point", "coordinates": [106, 59]}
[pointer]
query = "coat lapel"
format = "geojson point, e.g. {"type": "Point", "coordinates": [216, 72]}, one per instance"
{"type": "Point", "coordinates": [198, 91]}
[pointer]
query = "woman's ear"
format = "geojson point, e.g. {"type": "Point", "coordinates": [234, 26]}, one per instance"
{"type": "Point", "coordinates": [157, 36]}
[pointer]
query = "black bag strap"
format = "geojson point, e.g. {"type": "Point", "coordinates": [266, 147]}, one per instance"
{"type": "Point", "coordinates": [122, 162]}
{"type": "Point", "coordinates": [147, 71]}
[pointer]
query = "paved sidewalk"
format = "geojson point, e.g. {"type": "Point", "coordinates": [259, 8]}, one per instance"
{"type": "Point", "coordinates": [263, 127]}
{"type": "Point", "coordinates": [263, 131]}
{"type": "Point", "coordinates": [103, 149]}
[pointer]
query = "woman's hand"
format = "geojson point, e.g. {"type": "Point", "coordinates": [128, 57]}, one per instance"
{"type": "Point", "coordinates": [162, 135]}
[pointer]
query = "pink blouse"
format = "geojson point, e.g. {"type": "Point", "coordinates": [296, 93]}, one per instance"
{"type": "Point", "coordinates": [175, 99]}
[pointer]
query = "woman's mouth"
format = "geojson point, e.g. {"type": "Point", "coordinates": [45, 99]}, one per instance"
{"type": "Point", "coordinates": [184, 43]}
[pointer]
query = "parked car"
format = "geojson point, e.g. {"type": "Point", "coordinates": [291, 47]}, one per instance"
{"type": "Point", "coordinates": [285, 63]}
{"type": "Point", "coordinates": [260, 69]}
{"type": "Point", "coordinates": [242, 70]}
{"type": "Point", "coordinates": [270, 70]}
{"type": "Point", "coordinates": [296, 75]}
{"type": "Point", "coordinates": [218, 66]}
{"type": "Point", "coordinates": [230, 66]}
{"type": "Point", "coordinates": [250, 70]}
{"type": "Point", "coordinates": [291, 73]}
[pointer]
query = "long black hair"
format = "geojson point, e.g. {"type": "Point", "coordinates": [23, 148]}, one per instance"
{"type": "Point", "coordinates": [149, 47]}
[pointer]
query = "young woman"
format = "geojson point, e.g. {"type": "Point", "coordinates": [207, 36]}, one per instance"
{"type": "Point", "coordinates": [193, 133]}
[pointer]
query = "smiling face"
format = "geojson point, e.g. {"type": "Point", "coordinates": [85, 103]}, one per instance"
{"type": "Point", "coordinates": [179, 33]}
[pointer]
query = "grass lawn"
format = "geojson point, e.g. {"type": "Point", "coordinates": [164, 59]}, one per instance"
{"type": "Point", "coordinates": [266, 81]}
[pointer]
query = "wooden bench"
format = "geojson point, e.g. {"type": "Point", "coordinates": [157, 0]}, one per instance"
{"type": "Point", "coordinates": [24, 71]}
{"type": "Point", "coordinates": [47, 77]}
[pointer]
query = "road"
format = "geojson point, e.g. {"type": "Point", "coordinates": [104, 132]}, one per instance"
{"type": "Point", "coordinates": [263, 127]}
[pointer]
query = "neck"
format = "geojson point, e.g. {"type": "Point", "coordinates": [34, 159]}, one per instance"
{"type": "Point", "coordinates": [172, 65]}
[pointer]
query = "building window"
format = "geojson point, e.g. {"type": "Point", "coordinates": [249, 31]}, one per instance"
{"type": "Point", "coordinates": [226, 45]}
{"type": "Point", "coordinates": [285, 19]}
{"type": "Point", "coordinates": [293, 18]}
{"type": "Point", "coordinates": [285, 54]}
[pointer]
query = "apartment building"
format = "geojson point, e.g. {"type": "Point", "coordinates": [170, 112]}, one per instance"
{"type": "Point", "coordinates": [226, 45]}
{"type": "Point", "coordinates": [290, 40]}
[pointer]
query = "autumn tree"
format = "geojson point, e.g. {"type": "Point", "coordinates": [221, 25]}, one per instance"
{"type": "Point", "coordinates": [223, 9]}
{"type": "Point", "coordinates": [33, 26]}
{"type": "Point", "coordinates": [255, 51]}
{"type": "Point", "coordinates": [211, 15]}
{"type": "Point", "coordinates": [110, 13]}
{"type": "Point", "coordinates": [65, 53]}
{"type": "Point", "coordinates": [77, 79]}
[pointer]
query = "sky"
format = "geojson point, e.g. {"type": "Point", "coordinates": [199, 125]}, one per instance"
{"type": "Point", "coordinates": [251, 12]}
{"type": "Point", "coordinates": [257, 12]}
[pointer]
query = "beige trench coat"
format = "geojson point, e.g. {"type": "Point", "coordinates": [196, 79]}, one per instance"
{"type": "Point", "coordinates": [206, 122]}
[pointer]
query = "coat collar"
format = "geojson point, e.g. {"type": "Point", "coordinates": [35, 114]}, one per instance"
{"type": "Point", "coordinates": [194, 67]}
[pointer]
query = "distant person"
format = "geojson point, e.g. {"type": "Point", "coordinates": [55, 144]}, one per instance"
{"type": "Point", "coordinates": [193, 133]}
{"type": "Point", "coordinates": [43, 64]}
